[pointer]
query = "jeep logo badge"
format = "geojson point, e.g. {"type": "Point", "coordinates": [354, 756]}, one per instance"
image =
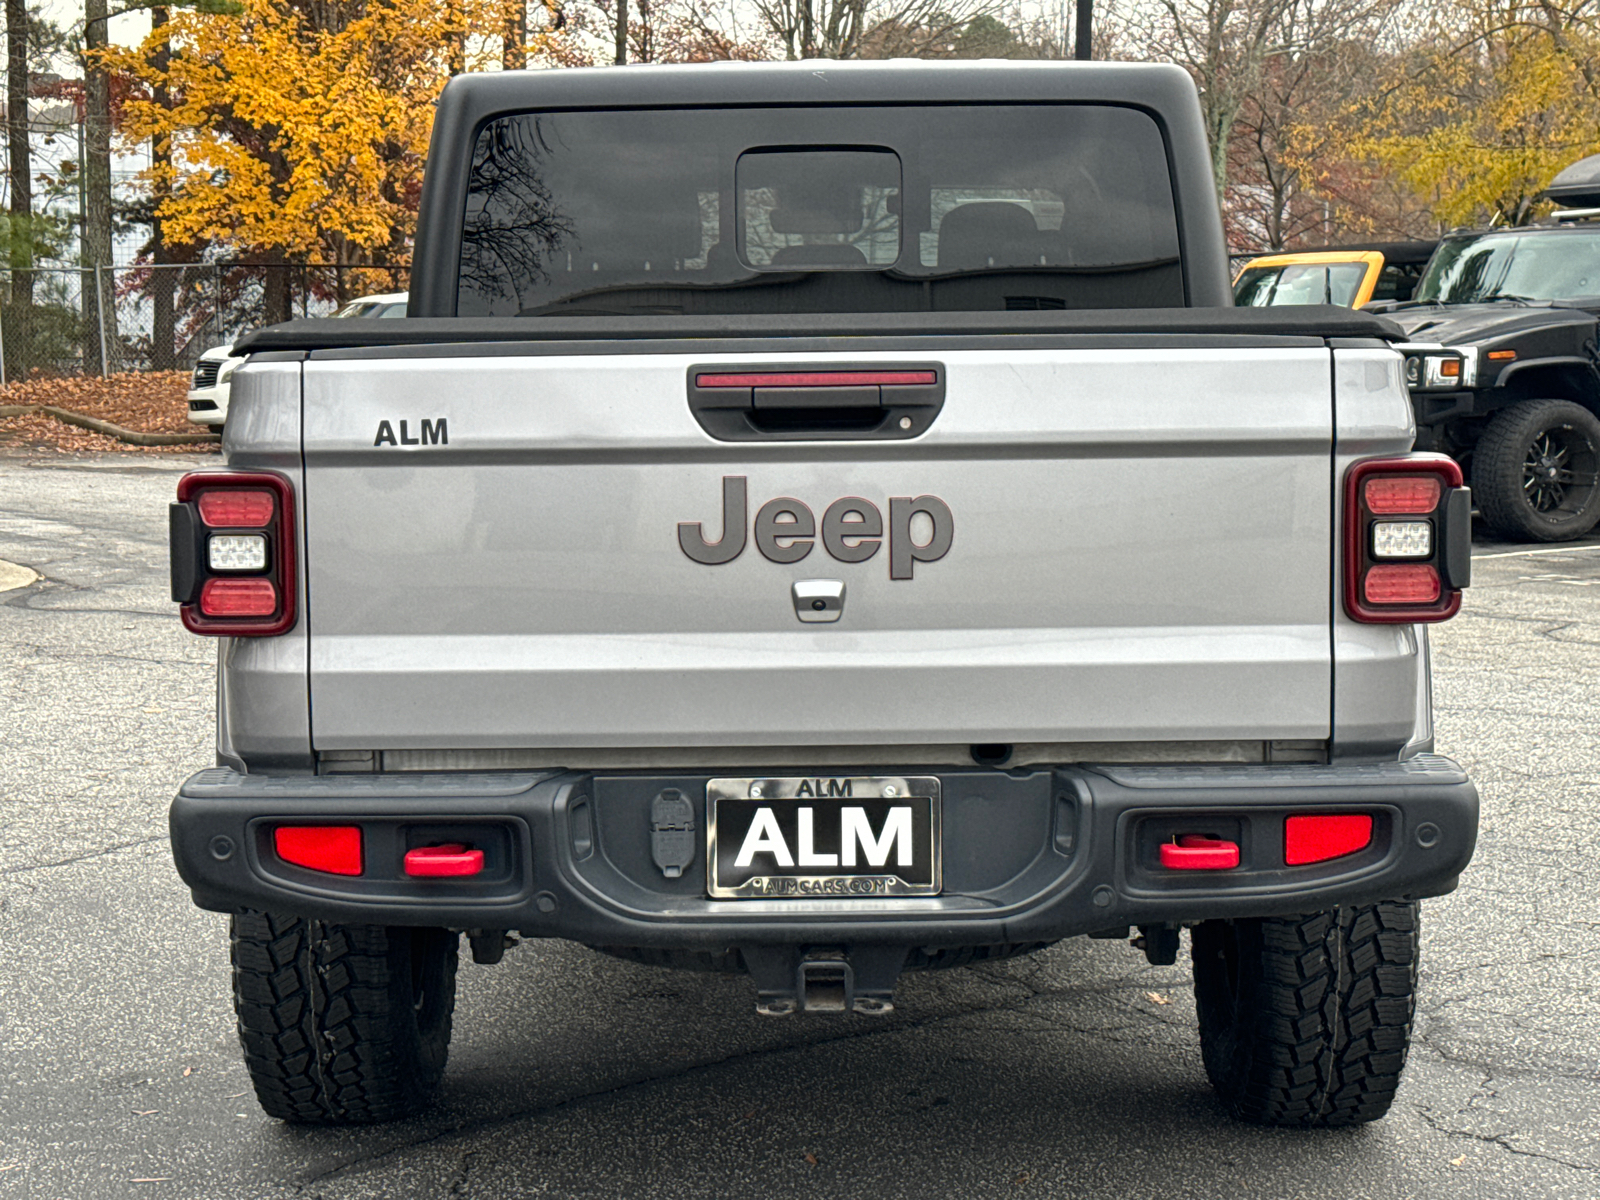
{"type": "Point", "coordinates": [852, 530]}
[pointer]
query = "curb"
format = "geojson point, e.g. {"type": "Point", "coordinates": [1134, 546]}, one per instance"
{"type": "Point", "coordinates": [94, 424]}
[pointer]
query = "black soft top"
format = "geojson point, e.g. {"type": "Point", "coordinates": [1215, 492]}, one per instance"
{"type": "Point", "coordinates": [1165, 92]}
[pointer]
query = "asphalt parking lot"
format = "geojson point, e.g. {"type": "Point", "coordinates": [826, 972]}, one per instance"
{"type": "Point", "coordinates": [1075, 1073]}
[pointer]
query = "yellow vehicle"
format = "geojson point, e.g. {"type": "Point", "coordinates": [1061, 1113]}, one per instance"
{"type": "Point", "coordinates": [1349, 276]}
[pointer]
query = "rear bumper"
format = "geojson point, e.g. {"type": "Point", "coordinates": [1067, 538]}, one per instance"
{"type": "Point", "coordinates": [1030, 855]}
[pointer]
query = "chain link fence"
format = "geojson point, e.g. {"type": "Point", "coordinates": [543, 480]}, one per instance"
{"type": "Point", "coordinates": [65, 321]}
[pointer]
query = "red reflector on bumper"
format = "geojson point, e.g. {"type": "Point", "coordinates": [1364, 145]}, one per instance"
{"type": "Point", "coordinates": [1393, 583]}
{"type": "Point", "coordinates": [451, 859]}
{"type": "Point", "coordinates": [1319, 838]}
{"type": "Point", "coordinates": [238, 598]}
{"type": "Point", "coordinates": [236, 508]}
{"type": "Point", "coordinates": [1195, 853]}
{"type": "Point", "coordinates": [335, 849]}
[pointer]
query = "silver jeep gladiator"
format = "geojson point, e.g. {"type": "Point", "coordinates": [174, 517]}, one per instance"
{"type": "Point", "coordinates": [823, 520]}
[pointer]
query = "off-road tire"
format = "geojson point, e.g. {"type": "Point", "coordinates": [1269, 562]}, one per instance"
{"type": "Point", "coordinates": [1305, 1021]}
{"type": "Point", "coordinates": [342, 1024]}
{"type": "Point", "coordinates": [1506, 452]}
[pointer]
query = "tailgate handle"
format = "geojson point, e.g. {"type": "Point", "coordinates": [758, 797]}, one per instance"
{"type": "Point", "coordinates": [785, 403]}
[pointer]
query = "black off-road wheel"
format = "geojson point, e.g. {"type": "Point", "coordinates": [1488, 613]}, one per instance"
{"type": "Point", "coordinates": [1306, 1021]}
{"type": "Point", "coordinates": [342, 1024]}
{"type": "Point", "coordinates": [1536, 471]}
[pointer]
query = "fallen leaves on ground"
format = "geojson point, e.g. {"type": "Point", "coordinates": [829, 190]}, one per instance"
{"type": "Point", "coordinates": [148, 401]}
{"type": "Point", "coordinates": [1157, 998]}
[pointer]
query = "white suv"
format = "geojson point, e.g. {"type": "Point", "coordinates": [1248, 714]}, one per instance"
{"type": "Point", "coordinates": [208, 390]}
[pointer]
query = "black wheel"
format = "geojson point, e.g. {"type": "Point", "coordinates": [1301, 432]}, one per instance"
{"type": "Point", "coordinates": [1536, 471]}
{"type": "Point", "coordinates": [342, 1024]}
{"type": "Point", "coordinates": [1306, 1020]}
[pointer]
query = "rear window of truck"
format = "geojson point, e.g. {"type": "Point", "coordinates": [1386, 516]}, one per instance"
{"type": "Point", "coordinates": [804, 210]}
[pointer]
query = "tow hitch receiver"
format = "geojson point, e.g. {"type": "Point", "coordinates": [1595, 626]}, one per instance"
{"type": "Point", "coordinates": [824, 979]}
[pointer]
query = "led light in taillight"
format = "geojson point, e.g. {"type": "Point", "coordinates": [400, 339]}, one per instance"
{"type": "Point", "coordinates": [1392, 583]}
{"type": "Point", "coordinates": [1394, 539]}
{"type": "Point", "coordinates": [236, 508]}
{"type": "Point", "coordinates": [238, 598]}
{"type": "Point", "coordinates": [1389, 494]}
{"type": "Point", "coordinates": [1314, 839]}
{"type": "Point", "coordinates": [335, 849]}
{"type": "Point", "coordinates": [236, 552]}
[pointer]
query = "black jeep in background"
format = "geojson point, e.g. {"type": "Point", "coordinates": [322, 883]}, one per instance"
{"type": "Point", "coordinates": [1504, 363]}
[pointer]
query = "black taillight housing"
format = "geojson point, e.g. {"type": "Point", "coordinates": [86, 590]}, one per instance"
{"type": "Point", "coordinates": [233, 562]}
{"type": "Point", "coordinates": [1407, 539]}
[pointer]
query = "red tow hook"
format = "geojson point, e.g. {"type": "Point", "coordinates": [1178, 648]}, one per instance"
{"type": "Point", "coordinates": [1192, 852]}
{"type": "Point", "coordinates": [450, 859]}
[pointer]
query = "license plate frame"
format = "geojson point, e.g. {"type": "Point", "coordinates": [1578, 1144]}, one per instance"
{"type": "Point", "coordinates": [731, 805]}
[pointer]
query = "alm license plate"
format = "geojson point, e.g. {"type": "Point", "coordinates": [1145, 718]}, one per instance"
{"type": "Point", "coordinates": [805, 838]}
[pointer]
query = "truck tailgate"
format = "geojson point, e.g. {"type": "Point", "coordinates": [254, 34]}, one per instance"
{"type": "Point", "coordinates": [1141, 550]}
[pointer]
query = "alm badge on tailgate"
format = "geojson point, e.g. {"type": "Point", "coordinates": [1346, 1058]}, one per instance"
{"type": "Point", "coordinates": [830, 837]}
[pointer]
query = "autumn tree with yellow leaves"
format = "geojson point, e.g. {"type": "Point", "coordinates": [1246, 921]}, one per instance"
{"type": "Point", "coordinates": [1505, 94]}
{"type": "Point", "coordinates": [296, 131]}
{"type": "Point", "coordinates": [1346, 120]}
{"type": "Point", "coordinates": [1463, 120]}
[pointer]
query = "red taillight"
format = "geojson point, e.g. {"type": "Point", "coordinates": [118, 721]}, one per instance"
{"type": "Point", "coordinates": [1395, 583]}
{"type": "Point", "coordinates": [1435, 536]}
{"type": "Point", "coordinates": [242, 508]}
{"type": "Point", "coordinates": [248, 596]}
{"type": "Point", "coordinates": [334, 849]}
{"type": "Point", "coordinates": [1315, 839]}
{"type": "Point", "coordinates": [238, 598]}
{"type": "Point", "coordinates": [1392, 494]}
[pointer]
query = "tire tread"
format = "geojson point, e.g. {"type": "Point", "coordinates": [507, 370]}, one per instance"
{"type": "Point", "coordinates": [320, 1020]}
{"type": "Point", "coordinates": [1322, 1027]}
